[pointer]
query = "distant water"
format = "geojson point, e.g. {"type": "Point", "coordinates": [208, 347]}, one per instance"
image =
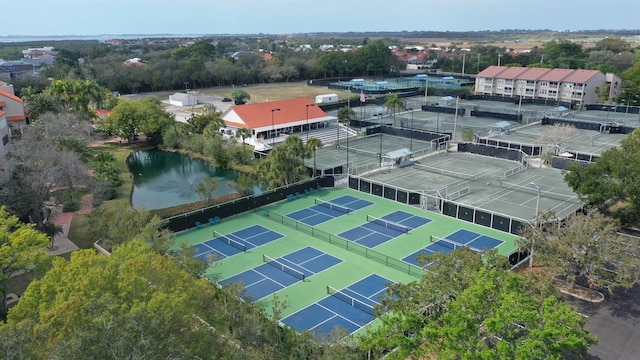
{"type": "Point", "coordinates": [18, 38]}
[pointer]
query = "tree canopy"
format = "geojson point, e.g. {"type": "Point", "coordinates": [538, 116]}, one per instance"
{"type": "Point", "coordinates": [21, 248]}
{"type": "Point", "coordinates": [614, 179]}
{"type": "Point", "coordinates": [587, 249]}
{"type": "Point", "coordinates": [470, 307]}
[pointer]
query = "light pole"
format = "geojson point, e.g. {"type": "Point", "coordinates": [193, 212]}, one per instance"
{"type": "Point", "coordinates": [411, 133]}
{"type": "Point", "coordinates": [380, 153]}
{"type": "Point", "coordinates": [536, 223]}
{"type": "Point", "coordinates": [273, 127]}
{"type": "Point", "coordinates": [308, 119]}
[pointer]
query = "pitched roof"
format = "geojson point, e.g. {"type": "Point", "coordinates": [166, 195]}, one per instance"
{"type": "Point", "coordinates": [16, 118]}
{"type": "Point", "coordinates": [10, 96]}
{"type": "Point", "coordinates": [581, 76]}
{"type": "Point", "coordinates": [534, 73]}
{"type": "Point", "coordinates": [259, 115]}
{"type": "Point", "coordinates": [491, 72]}
{"type": "Point", "coordinates": [512, 73]}
{"type": "Point", "coordinates": [556, 75]}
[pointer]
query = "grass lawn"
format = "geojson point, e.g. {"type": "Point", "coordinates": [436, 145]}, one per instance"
{"type": "Point", "coordinates": [281, 92]}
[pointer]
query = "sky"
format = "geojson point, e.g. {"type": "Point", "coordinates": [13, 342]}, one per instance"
{"type": "Point", "coordinates": [96, 17]}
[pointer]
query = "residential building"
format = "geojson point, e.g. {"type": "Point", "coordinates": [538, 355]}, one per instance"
{"type": "Point", "coordinates": [561, 85]}
{"type": "Point", "coordinates": [5, 135]}
{"type": "Point", "coordinates": [35, 53]}
{"type": "Point", "coordinates": [12, 106]}
{"type": "Point", "coordinates": [271, 122]}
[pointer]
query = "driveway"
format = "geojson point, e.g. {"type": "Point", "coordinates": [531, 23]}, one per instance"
{"type": "Point", "coordinates": [616, 322]}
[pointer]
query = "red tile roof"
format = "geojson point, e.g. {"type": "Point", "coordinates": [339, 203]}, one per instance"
{"type": "Point", "coordinates": [556, 75]}
{"type": "Point", "coordinates": [491, 71]}
{"type": "Point", "coordinates": [534, 73]}
{"type": "Point", "coordinates": [1, 113]}
{"type": "Point", "coordinates": [16, 118]}
{"type": "Point", "coordinates": [511, 73]}
{"type": "Point", "coordinates": [581, 76]}
{"type": "Point", "coordinates": [10, 96]}
{"type": "Point", "coordinates": [259, 114]}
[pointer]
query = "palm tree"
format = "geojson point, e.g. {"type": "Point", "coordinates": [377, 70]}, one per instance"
{"type": "Point", "coordinates": [243, 133]}
{"type": "Point", "coordinates": [51, 229]}
{"type": "Point", "coordinates": [345, 113]}
{"type": "Point", "coordinates": [393, 103]}
{"type": "Point", "coordinates": [314, 144]}
{"type": "Point", "coordinates": [39, 104]}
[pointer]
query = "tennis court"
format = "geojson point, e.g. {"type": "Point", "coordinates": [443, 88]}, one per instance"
{"type": "Point", "coordinates": [461, 238]}
{"type": "Point", "coordinates": [380, 230]}
{"type": "Point", "coordinates": [222, 246]}
{"type": "Point", "coordinates": [276, 274]}
{"type": "Point", "coordinates": [326, 210]}
{"type": "Point", "coordinates": [349, 308]}
{"type": "Point", "coordinates": [323, 258]}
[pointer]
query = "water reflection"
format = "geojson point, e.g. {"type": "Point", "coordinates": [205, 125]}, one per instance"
{"type": "Point", "coordinates": [163, 179]}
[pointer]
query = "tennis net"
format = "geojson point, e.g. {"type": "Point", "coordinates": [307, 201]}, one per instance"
{"type": "Point", "coordinates": [238, 245]}
{"type": "Point", "coordinates": [282, 267]}
{"type": "Point", "coordinates": [361, 152]}
{"type": "Point", "coordinates": [533, 191]}
{"type": "Point", "coordinates": [358, 304]}
{"type": "Point", "coordinates": [450, 243]}
{"type": "Point", "coordinates": [333, 206]}
{"type": "Point", "coordinates": [388, 224]}
{"type": "Point", "coordinates": [450, 173]}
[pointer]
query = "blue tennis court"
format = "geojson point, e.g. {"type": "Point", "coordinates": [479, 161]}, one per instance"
{"type": "Point", "coordinates": [477, 242]}
{"type": "Point", "coordinates": [380, 230]}
{"type": "Point", "coordinates": [325, 210]}
{"type": "Point", "coordinates": [223, 246]}
{"type": "Point", "coordinates": [278, 273]}
{"type": "Point", "coordinates": [349, 308]}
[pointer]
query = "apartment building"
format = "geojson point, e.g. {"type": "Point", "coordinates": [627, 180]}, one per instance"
{"type": "Point", "coordinates": [575, 86]}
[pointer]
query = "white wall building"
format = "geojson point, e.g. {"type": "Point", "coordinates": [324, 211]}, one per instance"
{"type": "Point", "coordinates": [567, 85]}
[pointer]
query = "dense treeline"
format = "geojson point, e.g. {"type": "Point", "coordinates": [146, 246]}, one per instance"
{"type": "Point", "coordinates": [169, 64]}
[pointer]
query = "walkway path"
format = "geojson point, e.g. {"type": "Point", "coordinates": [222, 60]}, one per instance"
{"type": "Point", "coordinates": [61, 243]}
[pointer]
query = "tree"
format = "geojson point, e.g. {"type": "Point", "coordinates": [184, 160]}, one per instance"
{"type": "Point", "coordinates": [116, 226]}
{"type": "Point", "coordinates": [243, 134]}
{"type": "Point", "coordinates": [586, 249]}
{"type": "Point", "coordinates": [37, 164]}
{"type": "Point", "coordinates": [239, 96]}
{"type": "Point", "coordinates": [129, 117]}
{"type": "Point", "coordinates": [557, 135]}
{"type": "Point", "coordinates": [394, 104]}
{"type": "Point", "coordinates": [21, 248]}
{"type": "Point", "coordinates": [244, 184]}
{"type": "Point", "coordinates": [284, 164]}
{"type": "Point", "coordinates": [205, 189]}
{"type": "Point", "coordinates": [470, 306]}
{"type": "Point", "coordinates": [122, 306]}
{"type": "Point", "coordinates": [614, 179]}
{"type": "Point", "coordinates": [312, 145]}
{"type": "Point", "coordinates": [345, 113]}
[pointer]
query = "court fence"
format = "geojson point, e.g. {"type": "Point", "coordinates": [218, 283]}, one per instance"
{"type": "Point", "coordinates": [346, 244]}
{"type": "Point", "coordinates": [227, 209]}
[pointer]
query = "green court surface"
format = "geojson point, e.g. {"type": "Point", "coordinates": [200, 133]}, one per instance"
{"type": "Point", "coordinates": [355, 264]}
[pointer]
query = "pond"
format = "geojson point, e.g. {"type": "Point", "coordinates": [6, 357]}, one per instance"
{"type": "Point", "coordinates": [163, 179]}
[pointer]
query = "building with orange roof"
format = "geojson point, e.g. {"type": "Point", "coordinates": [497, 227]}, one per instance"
{"type": "Point", "coordinates": [271, 122]}
{"type": "Point", "coordinates": [5, 136]}
{"type": "Point", "coordinates": [561, 85]}
{"type": "Point", "coordinates": [13, 108]}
